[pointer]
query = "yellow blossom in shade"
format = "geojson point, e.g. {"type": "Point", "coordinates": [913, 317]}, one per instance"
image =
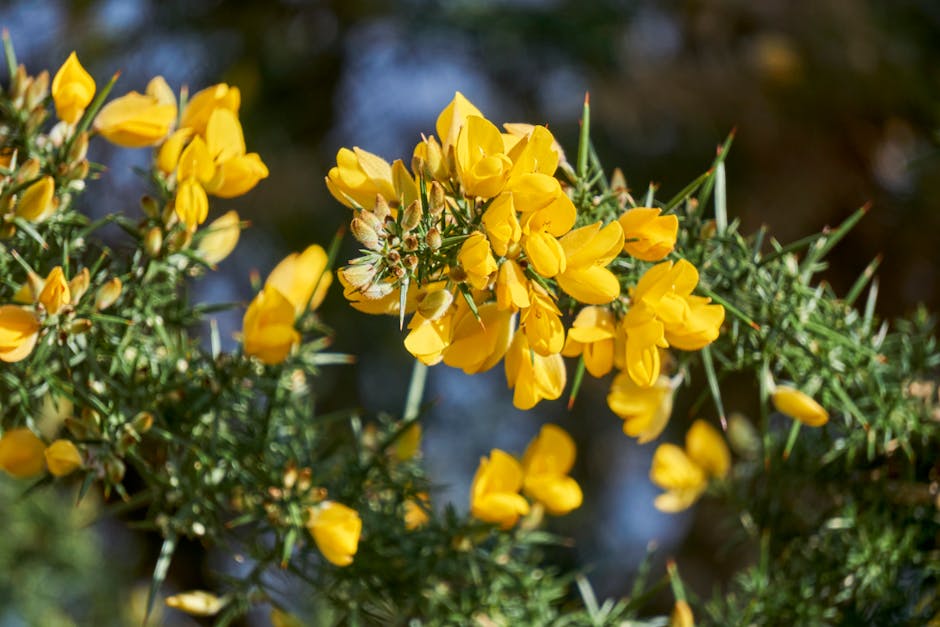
{"type": "Point", "coordinates": [512, 286]}
{"type": "Point", "coordinates": [236, 172]}
{"type": "Point", "coordinates": [547, 461]}
{"type": "Point", "coordinates": [135, 120]}
{"type": "Point", "coordinates": [408, 444]}
{"type": "Point", "coordinates": [592, 335]}
{"type": "Point", "coordinates": [799, 406]}
{"type": "Point", "coordinates": [643, 336]}
{"type": "Point", "coordinates": [587, 251]}
{"type": "Point", "coordinates": [482, 165]}
{"type": "Point", "coordinates": [335, 529]}
{"type": "Point", "coordinates": [477, 260]}
{"type": "Point", "coordinates": [19, 330]}
{"type": "Point", "coordinates": [196, 603]}
{"type": "Point", "coordinates": [268, 327]}
{"type": "Point", "coordinates": [202, 104]}
{"type": "Point", "coordinates": [360, 175]}
{"type": "Point", "coordinates": [72, 90]}
{"type": "Point", "coordinates": [192, 204]}
{"type": "Point", "coordinates": [55, 292]}
{"type": "Point", "coordinates": [494, 493]}
{"type": "Point", "coordinates": [38, 201]}
{"type": "Point", "coordinates": [62, 458]}
{"type": "Point", "coordinates": [427, 339]}
{"type": "Point", "coordinates": [541, 323]}
{"type": "Point", "coordinates": [501, 224]}
{"type": "Point", "coordinates": [648, 235]}
{"type": "Point", "coordinates": [706, 447]}
{"type": "Point", "coordinates": [645, 410]}
{"type": "Point", "coordinates": [416, 512]}
{"type": "Point", "coordinates": [219, 238]}
{"type": "Point", "coordinates": [681, 615]}
{"type": "Point", "coordinates": [303, 277]}
{"type": "Point", "coordinates": [21, 453]}
{"type": "Point", "coordinates": [533, 377]}
{"type": "Point", "coordinates": [683, 480]}
{"type": "Point", "coordinates": [452, 118]}
{"type": "Point", "coordinates": [79, 285]}
{"type": "Point", "coordinates": [478, 345]}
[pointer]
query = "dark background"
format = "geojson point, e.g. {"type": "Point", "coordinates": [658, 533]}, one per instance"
{"type": "Point", "coordinates": [834, 102]}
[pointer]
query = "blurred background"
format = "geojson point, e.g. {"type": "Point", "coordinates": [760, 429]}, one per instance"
{"type": "Point", "coordinates": [835, 104]}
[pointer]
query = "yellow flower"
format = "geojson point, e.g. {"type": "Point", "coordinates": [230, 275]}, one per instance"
{"type": "Point", "coordinates": [108, 294]}
{"type": "Point", "coordinates": [62, 458]}
{"type": "Point", "coordinates": [236, 172]}
{"type": "Point", "coordinates": [545, 253]}
{"type": "Point", "coordinates": [546, 214]}
{"type": "Point", "coordinates": [196, 603]}
{"type": "Point", "coordinates": [533, 377]}
{"type": "Point", "coordinates": [541, 323]}
{"type": "Point", "coordinates": [408, 444]}
{"type": "Point", "coordinates": [512, 286]}
{"type": "Point", "coordinates": [684, 474]}
{"type": "Point", "coordinates": [482, 166]}
{"type": "Point", "coordinates": [478, 345]}
{"type": "Point", "coordinates": [19, 330]}
{"type": "Point", "coordinates": [701, 326]}
{"type": "Point", "coordinates": [268, 327]}
{"type": "Point", "coordinates": [494, 493]}
{"type": "Point", "coordinates": [429, 152]}
{"type": "Point", "coordinates": [203, 103]}
{"type": "Point", "coordinates": [477, 260]}
{"type": "Point", "coordinates": [220, 238]}
{"type": "Point", "coordinates": [501, 224]}
{"type": "Point", "coordinates": [72, 90]}
{"type": "Point", "coordinates": [592, 335]}
{"type": "Point", "coordinates": [647, 235]}
{"type": "Point", "coordinates": [303, 277]}
{"type": "Point", "coordinates": [587, 251]}
{"type": "Point", "coordinates": [427, 339]}
{"type": "Point", "coordinates": [168, 157]}
{"type": "Point", "coordinates": [416, 514]}
{"type": "Point", "coordinates": [452, 119]}
{"type": "Point", "coordinates": [799, 406]}
{"type": "Point", "coordinates": [135, 120]}
{"type": "Point", "coordinates": [645, 410]}
{"type": "Point", "coordinates": [192, 204]}
{"type": "Point", "coordinates": [38, 201]}
{"type": "Point", "coordinates": [335, 529]}
{"type": "Point", "coordinates": [533, 149]}
{"type": "Point", "coordinates": [21, 453]}
{"type": "Point", "coordinates": [547, 461]}
{"type": "Point", "coordinates": [681, 615]}
{"type": "Point", "coordinates": [55, 292]}
{"type": "Point", "coordinates": [642, 338]}
{"type": "Point", "coordinates": [360, 175]}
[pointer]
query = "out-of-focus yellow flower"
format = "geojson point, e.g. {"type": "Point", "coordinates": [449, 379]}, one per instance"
{"type": "Point", "coordinates": [201, 106]}
{"type": "Point", "coordinates": [588, 250]}
{"type": "Point", "coordinates": [108, 294]}
{"type": "Point", "coordinates": [196, 603]}
{"type": "Point", "coordinates": [452, 119]}
{"type": "Point", "coordinates": [512, 286]}
{"type": "Point", "coordinates": [681, 615]}
{"type": "Point", "coordinates": [360, 175]}
{"type": "Point", "coordinates": [501, 224]}
{"type": "Point", "coordinates": [21, 453]}
{"type": "Point", "coordinates": [799, 406]}
{"type": "Point", "coordinates": [541, 323]}
{"type": "Point", "coordinates": [303, 277]}
{"type": "Point", "coordinates": [478, 345]}
{"type": "Point", "coordinates": [645, 410]}
{"type": "Point", "coordinates": [135, 120]}
{"type": "Point", "coordinates": [335, 529]}
{"type": "Point", "coordinates": [38, 201]}
{"type": "Point", "coordinates": [268, 326]}
{"type": "Point", "coordinates": [477, 260]}
{"type": "Point", "coordinates": [547, 461]}
{"type": "Point", "coordinates": [684, 474]}
{"type": "Point", "coordinates": [55, 292]}
{"type": "Point", "coordinates": [643, 337]}
{"type": "Point", "coordinates": [72, 90]}
{"type": "Point", "coordinates": [62, 458]}
{"type": "Point", "coordinates": [482, 165]}
{"type": "Point", "coordinates": [408, 444]}
{"type": "Point", "coordinates": [533, 377]}
{"type": "Point", "coordinates": [19, 330]}
{"type": "Point", "coordinates": [416, 515]}
{"type": "Point", "coordinates": [494, 493]}
{"type": "Point", "coordinates": [648, 235]}
{"type": "Point", "coordinates": [592, 335]}
{"type": "Point", "coordinates": [220, 238]}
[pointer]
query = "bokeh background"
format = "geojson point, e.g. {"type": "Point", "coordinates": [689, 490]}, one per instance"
{"type": "Point", "coordinates": [835, 104]}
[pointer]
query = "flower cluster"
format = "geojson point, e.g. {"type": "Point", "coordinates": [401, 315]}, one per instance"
{"type": "Point", "coordinates": [543, 476]}
{"type": "Point", "coordinates": [684, 474]}
{"type": "Point", "coordinates": [485, 246]}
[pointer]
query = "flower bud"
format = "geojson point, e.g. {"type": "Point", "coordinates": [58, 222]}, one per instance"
{"type": "Point", "coordinates": [410, 242]}
{"type": "Point", "coordinates": [799, 406]}
{"type": "Point", "coordinates": [412, 216]}
{"type": "Point", "coordinates": [142, 422]}
{"type": "Point", "coordinates": [381, 209]}
{"type": "Point", "coordinates": [79, 326]}
{"type": "Point", "coordinates": [28, 171]}
{"type": "Point", "coordinates": [358, 275]}
{"type": "Point", "coordinates": [419, 166]}
{"type": "Point", "coordinates": [220, 238]}
{"type": "Point", "coordinates": [179, 240]}
{"type": "Point", "coordinates": [114, 470]}
{"type": "Point", "coordinates": [410, 261]}
{"type": "Point", "coordinates": [79, 148]}
{"type": "Point", "coordinates": [433, 239]}
{"type": "Point", "coordinates": [149, 206]}
{"type": "Point", "coordinates": [62, 458]}
{"type": "Point", "coordinates": [153, 241]}
{"type": "Point", "coordinates": [364, 233]}
{"type": "Point", "coordinates": [196, 603]}
{"type": "Point", "coordinates": [436, 200]}
{"type": "Point", "coordinates": [37, 91]}
{"type": "Point", "coordinates": [377, 290]}
{"type": "Point", "coordinates": [38, 201]}
{"type": "Point", "coordinates": [435, 304]}
{"type": "Point", "coordinates": [108, 294]}
{"type": "Point", "coordinates": [21, 453]}
{"type": "Point", "coordinates": [55, 292]}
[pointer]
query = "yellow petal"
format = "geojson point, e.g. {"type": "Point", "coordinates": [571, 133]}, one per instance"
{"type": "Point", "coordinates": [478, 345]}
{"type": "Point", "coordinates": [37, 202]}
{"type": "Point", "coordinates": [644, 410]}
{"type": "Point", "coordinates": [545, 253]}
{"type": "Point", "coordinates": [452, 118]}
{"type": "Point", "coordinates": [55, 293]}
{"type": "Point", "coordinates": [268, 327]}
{"type": "Point", "coordinates": [62, 458]}
{"type": "Point", "coordinates": [706, 447]}
{"type": "Point", "coordinates": [192, 204]}
{"type": "Point", "coordinates": [195, 162]}
{"type": "Point", "coordinates": [224, 137]}
{"type": "Point", "coordinates": [21, 453]}
{"type": "Point", "coordinates": [647, 235]}
{"type": "Point", "coordinates": [592, 245]}
{"type": "Point", "coordinates": [494, 492]}
{"type": "Point", "coordinates": [237, 176]}
{"type": "Point", "coordinates": [672, 469]}
{"type": "Point", "coordinates": [335, 529]}
{"type": "Point", "coordinates": [19, 330]}
{"type": "Point", "coordinates": [72, 90]}
{"type": "Point", "coordinates": [593, 285]}
{"type": "Point", "coordinates": [135, 120]}
{"type": "Point", "coordinates": [196, 603]}
{"type": "Point", "coordinates": [551, 452]}
{"type": "Point", "coordinates": [799, 406]}
{"type": "Point", "coordinates": [201, 105]}
{"type": "Point", "coordinates": [303, 277]}
{"type": "Point", "coordinates": [219, 238]}
{"type": "Point", "coordinates": [168, 156]}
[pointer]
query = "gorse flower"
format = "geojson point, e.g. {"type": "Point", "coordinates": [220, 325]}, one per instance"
{"type": "Point", "coordinates": [21, 453]}
{"type": "Point", "coordinates": [136, 120]}
{"type": "Point", "coordinates": [645, 410]}
{"type": "Point", "coordinates": [494, 493]}
{"type": "Point", "coordinates": [547, 461]}
{"type": "Point", "coordinates": [684, 474]}
{"type": "Point", "coordinates": [799, 406]}
{"type": "Point", "coordinates": [19, 331]}
{"type": "Point", "coordinates": [335, 529]}
{"type": "Point", "coordinates": [72, 90]}
{"type": "Point", "coordinates": [38, 201]}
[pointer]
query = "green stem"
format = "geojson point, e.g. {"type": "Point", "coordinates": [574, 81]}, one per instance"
{"type": "Point", "coordinates": [419, 376]}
